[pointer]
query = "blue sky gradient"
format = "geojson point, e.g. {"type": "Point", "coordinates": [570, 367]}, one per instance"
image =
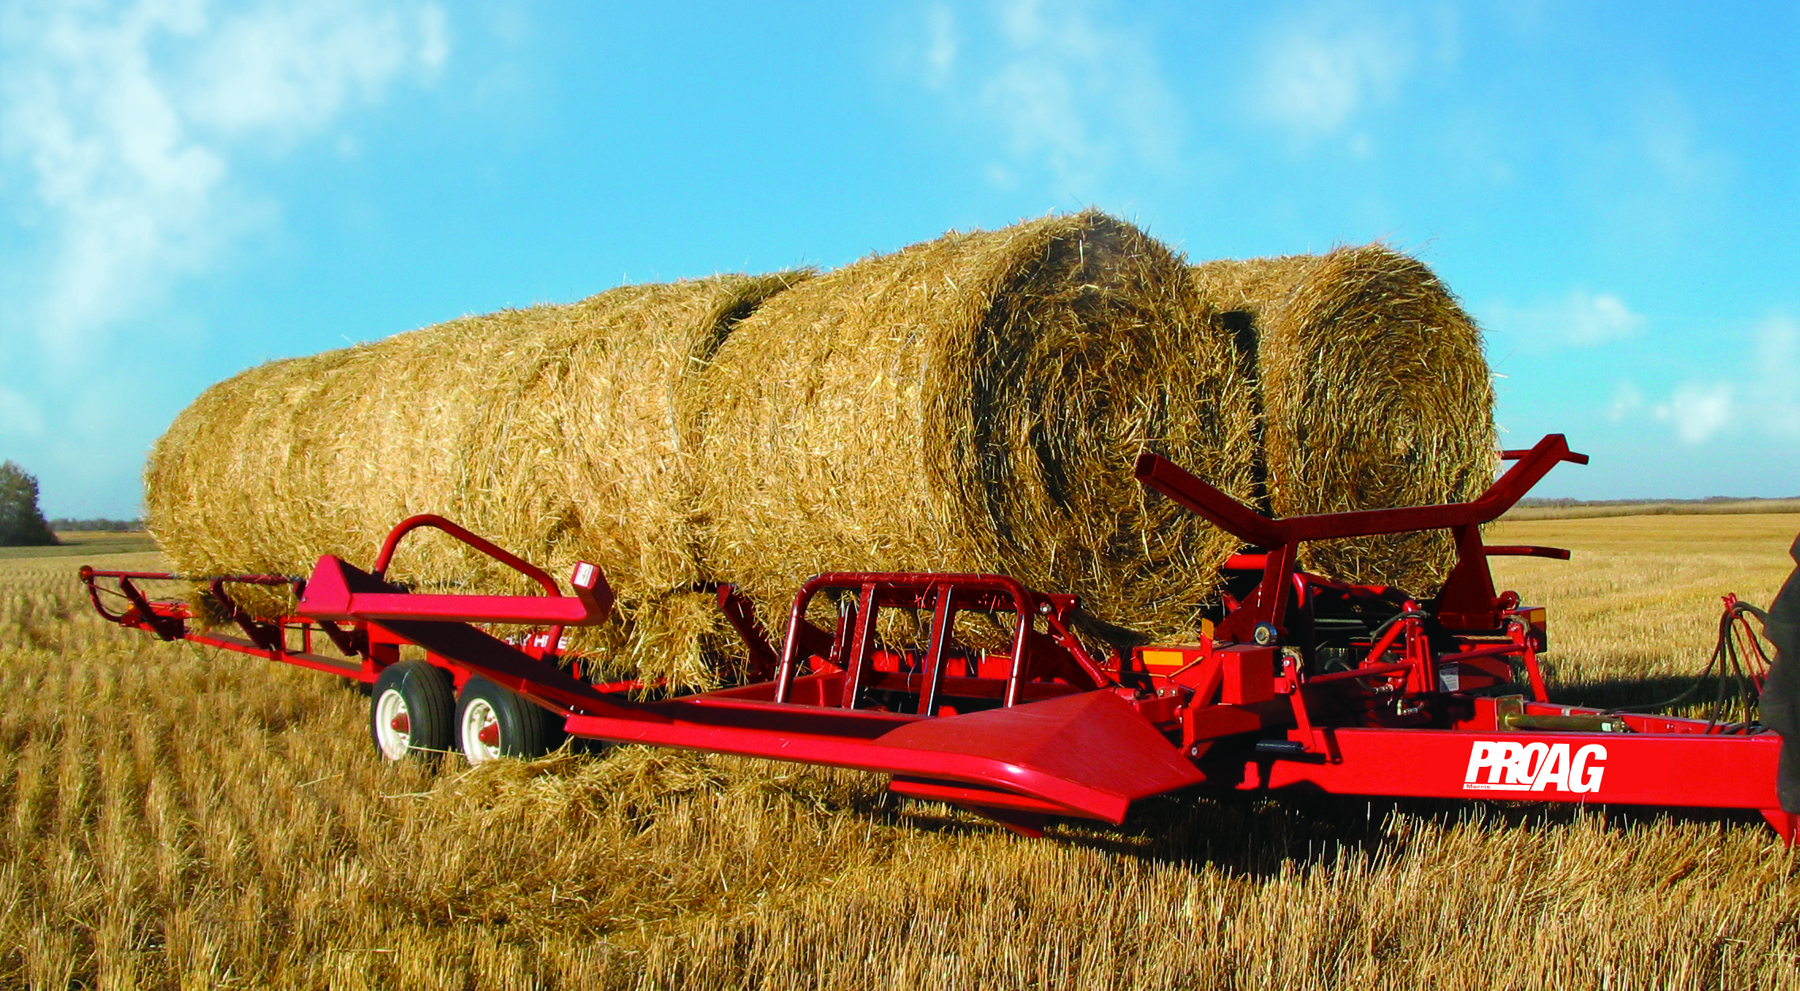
{"type": "Point", "coordinates": [189, 188]}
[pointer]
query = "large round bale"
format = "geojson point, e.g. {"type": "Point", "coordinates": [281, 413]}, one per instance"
{"type": "Point", "coordinates": [1375, 393]}
{"type": "Point", "coordinates": [556, 431]}
{"type": "Point", "coordinates": [974, 404]}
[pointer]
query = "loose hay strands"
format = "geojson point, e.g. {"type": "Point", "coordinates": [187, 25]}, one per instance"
{"type": "Point", "coordinates": [1375, 393]}
{"type": "Point", "coordinates": [556, 431]}
{"type": "Point", "coordinates": [975, 403]}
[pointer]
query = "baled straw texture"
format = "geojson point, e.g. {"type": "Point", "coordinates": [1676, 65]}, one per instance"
{"type": "Point", "coordinates": [1375, 393]}
{"type": "Point", "coordinates": [555, 431]}
{"type": "Point", "coordinates": [975, 403]}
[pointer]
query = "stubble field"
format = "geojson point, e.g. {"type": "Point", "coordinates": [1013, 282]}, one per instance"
{"type": "Point", "coordinates": [177, 818]}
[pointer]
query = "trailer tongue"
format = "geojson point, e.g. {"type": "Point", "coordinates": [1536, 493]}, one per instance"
{"type": "Point", "coordinates": [1302, 684]}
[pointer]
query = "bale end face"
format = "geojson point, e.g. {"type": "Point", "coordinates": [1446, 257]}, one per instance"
{"type": "Point", "coordinates": [1375, 393]}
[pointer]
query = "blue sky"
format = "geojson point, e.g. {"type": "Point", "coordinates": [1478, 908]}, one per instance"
{"type": "Point", "coordinates": [189, 188]}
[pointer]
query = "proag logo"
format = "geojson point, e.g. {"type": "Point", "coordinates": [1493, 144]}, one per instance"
{"type": "Point", "coordinates": [1534, 766]}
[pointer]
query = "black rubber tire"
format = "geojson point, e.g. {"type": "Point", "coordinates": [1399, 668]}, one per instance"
{"type": "Point", "coordinates": [429, 697]}
{"type": "Point", "coordinates": [526, 730]}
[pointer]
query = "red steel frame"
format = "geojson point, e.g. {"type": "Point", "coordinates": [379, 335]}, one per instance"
{"type": "Point", "coordinates": [1048, 726]}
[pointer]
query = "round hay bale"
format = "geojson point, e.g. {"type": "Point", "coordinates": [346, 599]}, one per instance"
{"type": "Point", "coordinates": [974, 404]}
{"type": "Point", "coordinates": [1374, 392]}
{"type": "Point", "coordinates": [556, 431]}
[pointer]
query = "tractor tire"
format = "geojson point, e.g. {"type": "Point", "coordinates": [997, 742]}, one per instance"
{"type": "Point", "coordinates": [492, 721]}
{"type": "Point", "coordinates": [411, 709]}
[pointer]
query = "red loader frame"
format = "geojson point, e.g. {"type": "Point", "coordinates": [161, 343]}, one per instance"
{"type": "Point", "coordinates": [1302, 684]}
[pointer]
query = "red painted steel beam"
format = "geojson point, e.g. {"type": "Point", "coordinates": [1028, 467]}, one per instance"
{"type": "Point", "coordinates": [335, 593]}
{"type": "Point", "coordinates": [1694, 770]}
{"type": "Point", "coordinates": [1091, 754]}
{"type": "Point", "coordinates": [1164, 476]}
{"type": "Point", "coordinates": [1522, 550]}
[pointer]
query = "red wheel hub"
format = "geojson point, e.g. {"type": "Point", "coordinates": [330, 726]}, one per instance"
{"type": "Point", "coordinates": [401, 724]}
{"type": "Point", "coordinates": [490, 734]}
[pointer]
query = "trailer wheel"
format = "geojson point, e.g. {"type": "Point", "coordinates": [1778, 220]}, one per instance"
{"type": "Point", "coordinates": [492, 721]}
{"type": "Point", "coordinates": [410, 710]}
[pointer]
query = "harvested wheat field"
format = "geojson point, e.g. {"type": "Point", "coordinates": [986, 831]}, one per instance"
{"type": "Point", "coordinates": [179, 818]}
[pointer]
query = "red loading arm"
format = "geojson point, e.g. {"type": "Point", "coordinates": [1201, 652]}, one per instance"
{"type": "Point", "coordinates": [483, 545]}
{"type": "Point", "coordinates": [1467, 599]}
{"type": "Point", "coordinates": [329, 593]}
{"type": "Point", "coordinates": [1165, 476]}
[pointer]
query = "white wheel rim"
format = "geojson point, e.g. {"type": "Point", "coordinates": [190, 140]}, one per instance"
{"type": "Point", "coordinates": [389, 708]}
{"type": "Point", "coordinates": [477, 716]}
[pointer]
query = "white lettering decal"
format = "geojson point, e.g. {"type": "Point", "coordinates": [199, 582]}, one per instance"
{"type": "Point", "coordinates": [1512, 762]}
{"type": "Point", "coordinates": [1582, 778]}
{"type": "Point", "coordinates": [1534, 766]}
{"type": "Point", "coordinates": [1534, 759]}
{"type": "Point", "coordinates": [1553, 770]}
{"type": "Point", "coordinates": [1481, 757]}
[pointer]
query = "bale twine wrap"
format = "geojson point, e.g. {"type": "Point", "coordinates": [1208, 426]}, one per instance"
{"type": "Point", "coordinates": [558, 432]}
{"type": "Point", "coordinates": [974, 404]}
{"type": "Point", "coordinates": [1375, 393]}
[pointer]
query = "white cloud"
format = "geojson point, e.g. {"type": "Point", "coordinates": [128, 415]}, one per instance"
{"type": "Point", "coordinates": [1666, 171]}
{"type": "Point", "coordinates": [1588, 320]}
{"type": "Point", "coordinates": [1627, 400]}
{"type": "Point", "coordinates": [1775, 390]}
{"type": "Point", "coordinates": [1580, 319]}
{"type": "Point", "coordinates": [1698, 411]}
{"type": "Point", "coordinates": [1322, 69]}
{"type": "Point", "coordinates": [1762, 397]}
{"type": "Point", "coordinates": [1063, 89]}
{"type": "Point", "coordinates": [290, 69]}
{"type": "Point", "coordinates": [124, 121]}
{"type": "Point", "coordinates": [940, 46]}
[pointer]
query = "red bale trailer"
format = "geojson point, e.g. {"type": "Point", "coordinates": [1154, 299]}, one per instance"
{"type": "Point", "coordinates": [1302, 685]}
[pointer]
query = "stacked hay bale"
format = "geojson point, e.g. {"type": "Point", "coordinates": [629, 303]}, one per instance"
{"type": "Point", "coordinates": [1374, 393]}
{"type": "Point", "coordinates": [556, 431]}
{"type": "Point", "coordinates": [972, 403]}
{"type": "Point", "coordinates": [975, 404]}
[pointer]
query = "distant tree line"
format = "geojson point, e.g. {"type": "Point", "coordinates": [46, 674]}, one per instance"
{"type": "Point", "coordinates": [64, 524]}
{"type": "Point", "coordinates": [1534, 502]}
{"type": "Point", "coordinates": [21, 522]}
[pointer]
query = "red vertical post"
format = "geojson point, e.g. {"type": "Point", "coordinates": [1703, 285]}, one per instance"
{"type": "Point", "coordinates": [1021, 649]}
{"type": "Point", "coordinates": [934, 652]}
{"type": "Point", "coordinates": [856, 663]}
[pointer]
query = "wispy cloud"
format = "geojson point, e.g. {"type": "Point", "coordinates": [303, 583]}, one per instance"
{"type": "Point", "coordinates": [124, 122]}
{"type": "Point", "coordinates": [1323, 68]}
{"type": "Point", "coordinates": [1775, 390]}
{"type": "Point", "coordinates": [1698, 411]}
{"type": "Point", "coordinates": [940, 45]}
{"type": "Point", "coordinates": [1628, 400]}
{"type": "Point", "coordinates": [1580, 319]}
{"type": "Point", "coordinates": [1662, 175]}
{"type": "Point", "coordinates": [1763, 398]}
{"type": "Point", "coordinates": [1065, 89]}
